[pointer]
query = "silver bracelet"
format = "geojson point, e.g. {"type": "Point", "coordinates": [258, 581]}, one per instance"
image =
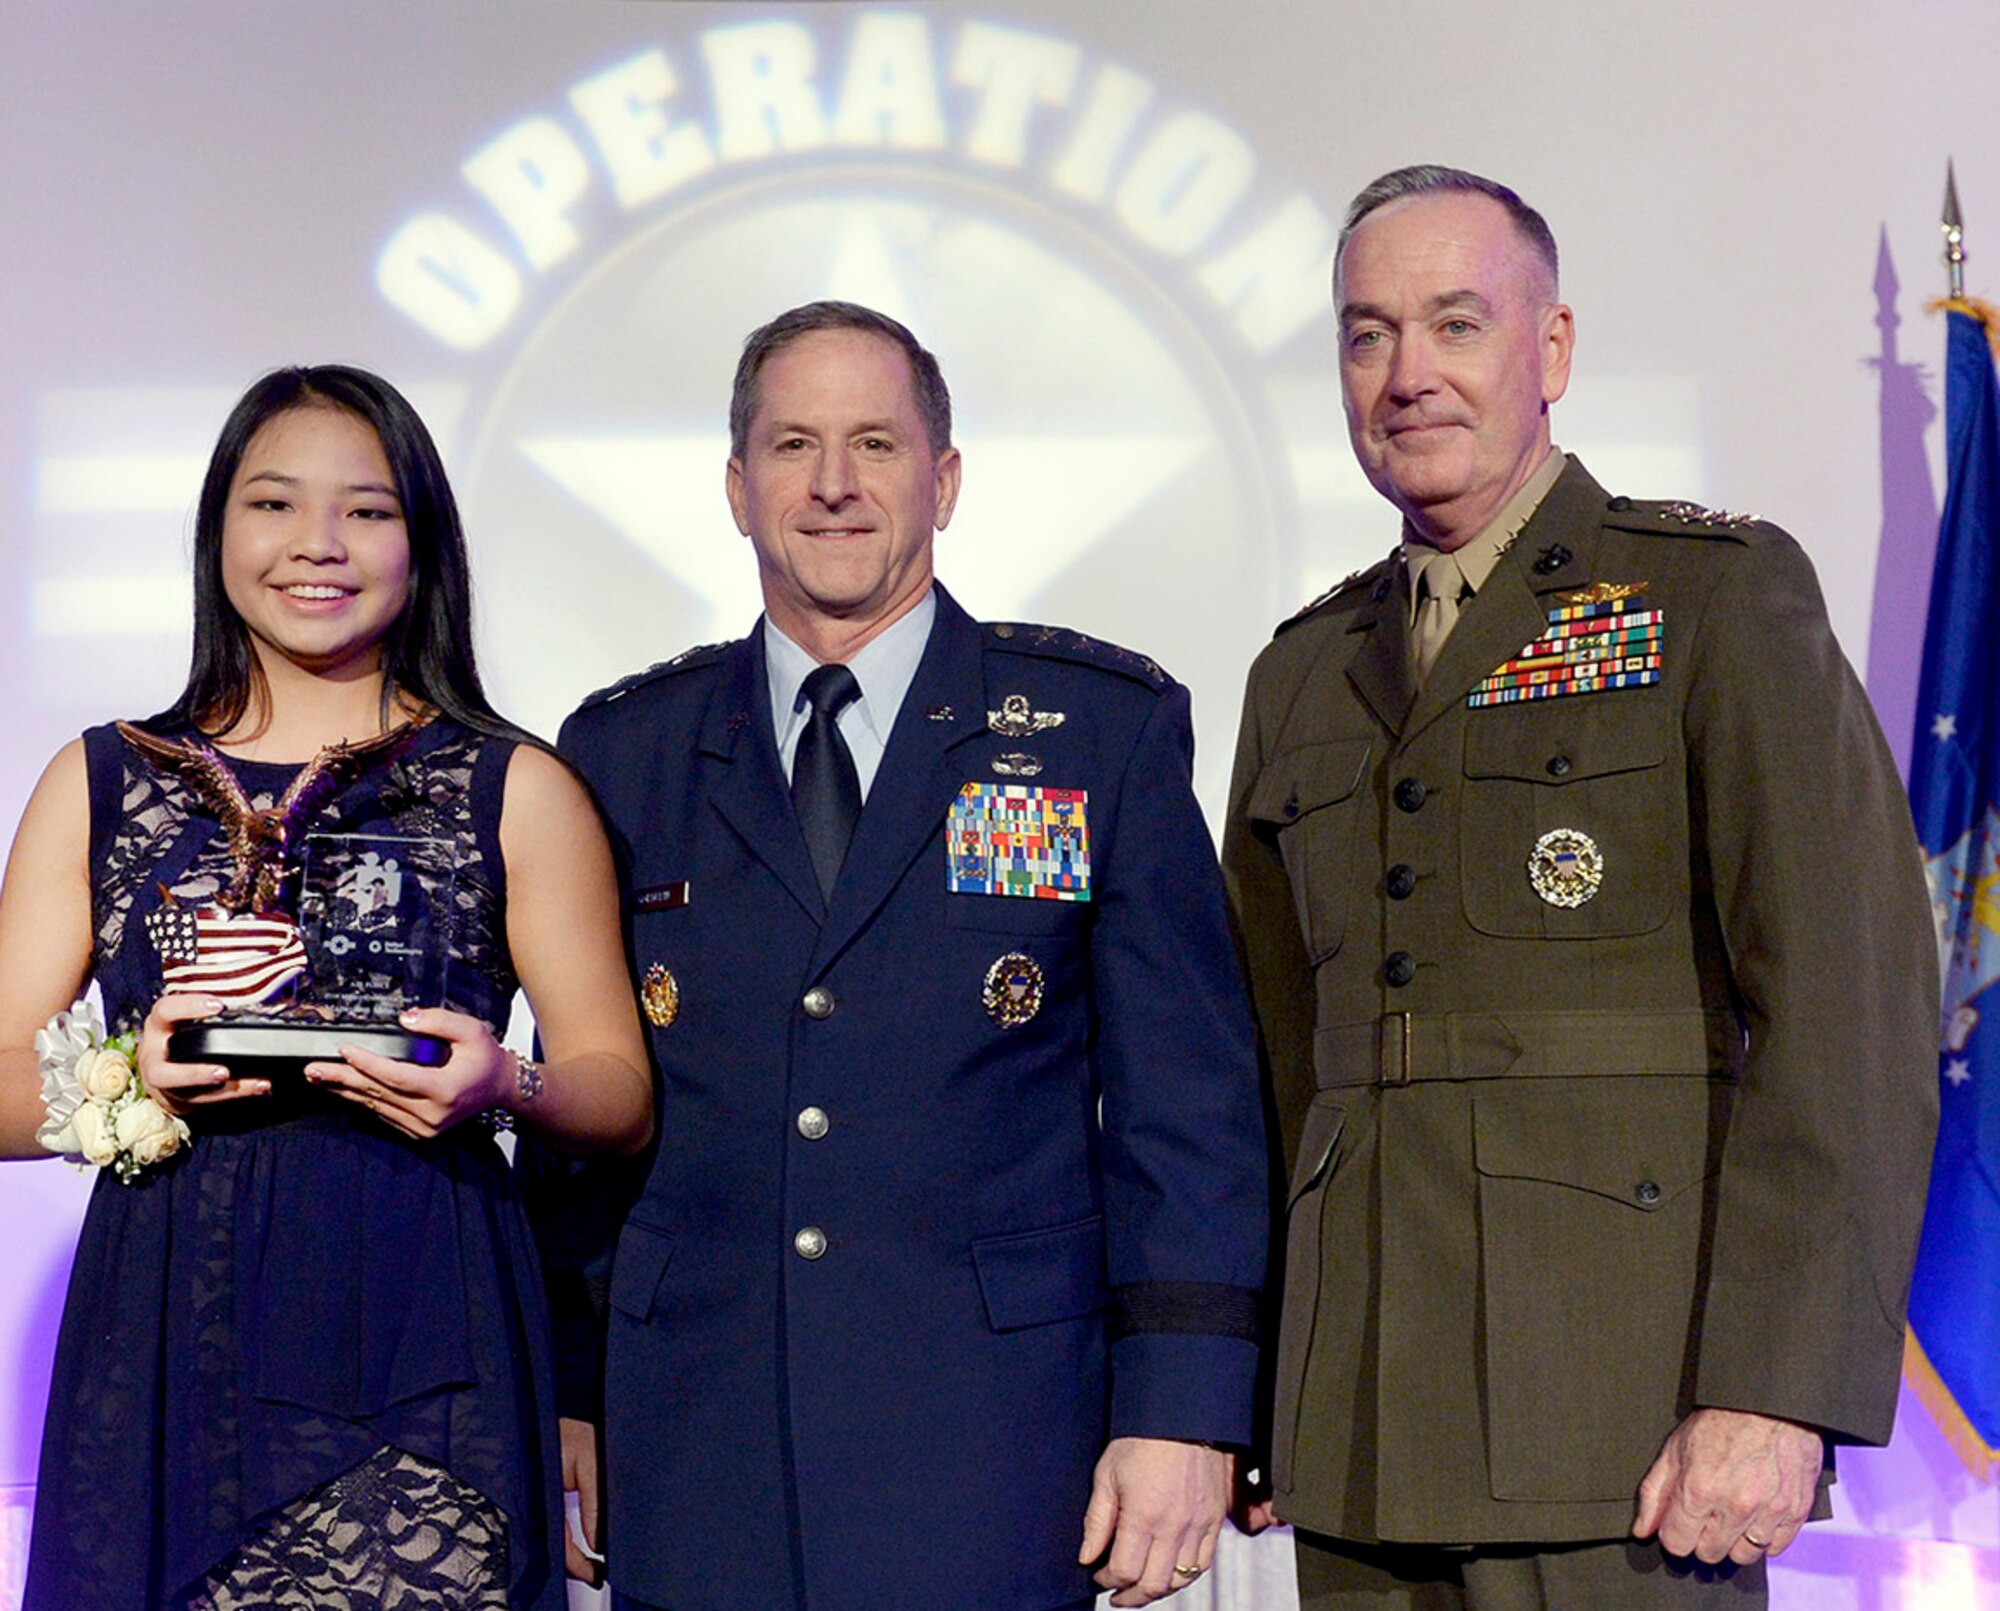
{"type": "Point", "coordinates": [528, 1083]}
{"type": "Point", "coordinates": [528, 1080]}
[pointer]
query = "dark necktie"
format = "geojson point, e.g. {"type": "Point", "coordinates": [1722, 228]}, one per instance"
{"type": "Point", "coordinates": [825, 791]}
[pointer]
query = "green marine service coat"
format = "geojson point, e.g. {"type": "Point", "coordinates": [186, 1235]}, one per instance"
{"type": "Point", "coordinates": [1561, 1173]}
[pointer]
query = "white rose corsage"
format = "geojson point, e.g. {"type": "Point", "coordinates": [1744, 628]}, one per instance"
{"type": "Point", "coordinates": [100, 1111]}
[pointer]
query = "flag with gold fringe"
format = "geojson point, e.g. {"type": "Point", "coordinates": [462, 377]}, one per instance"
{"type": "Point", "coordinates": [1953, 1356]}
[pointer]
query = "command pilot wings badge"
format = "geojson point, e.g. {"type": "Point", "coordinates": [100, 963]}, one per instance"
{"type": "Point", "coordinates": [1016, 718]}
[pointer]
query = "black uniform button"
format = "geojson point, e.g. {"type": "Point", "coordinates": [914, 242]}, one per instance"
{"type": "Point", "coordinates": [818, 1002]}
{"type": "Point", "coordinates": [1410, 794]}
{"type": "Point", "coordinates": [1399, 968]}
{"type": "Point", "coordinates": [1552, 559]}
{"type": "Point", "coordinates": [1292, 807]}
{"type": "Point", "coordinates": [1401, 882]}
{"type": "Point", "coordinates": [1559, 766]}
{"type": "Point", "coordinates": [1619, 504]}
{"type": "Point", "coordinates": [1647, 1191]}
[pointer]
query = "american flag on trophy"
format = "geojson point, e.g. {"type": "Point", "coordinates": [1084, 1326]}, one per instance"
{"type": "Point", "coordinates": [240, 958]}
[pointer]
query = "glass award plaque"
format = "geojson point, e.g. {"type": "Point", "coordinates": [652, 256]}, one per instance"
{"type": "Point", "coordinates": [375, 920]}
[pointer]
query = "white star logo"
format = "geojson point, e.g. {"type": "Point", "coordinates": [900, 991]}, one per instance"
{"type": "Point", "coordinates": [1083, 487]}
{"type": "Point", "coordinates": [1035, 502]}
{"type": "Point", "coordinates": [1944, 725]}
{"type": "Point", "coordinates": [1958, 1071]}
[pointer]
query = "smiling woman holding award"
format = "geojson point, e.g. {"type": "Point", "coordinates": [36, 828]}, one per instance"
{"type": "Point", "coordinates": [303, 1360]}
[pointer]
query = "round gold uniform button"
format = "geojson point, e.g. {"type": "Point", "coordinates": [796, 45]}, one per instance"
{"type": "Point", "coordinates": [810, 1243]}
{"type": "Point", "coordinates": [813, 1123]}
{"type": "Point", "coordinates": [818, 1002]}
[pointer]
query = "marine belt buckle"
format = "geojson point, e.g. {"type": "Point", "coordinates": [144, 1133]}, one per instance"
{"type": "Point", "coordinates": [1394, 1066]}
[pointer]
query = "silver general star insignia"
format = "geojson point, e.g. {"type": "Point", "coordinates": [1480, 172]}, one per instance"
{"type": "Point", "coordinates": [1696, 514]}
{"type": "Point", "coordinates": [1017, 719]}
{"type": "Point", "coordinates": [1565, 867]}
{"type": "Point", "coordinates": [1013, 990]}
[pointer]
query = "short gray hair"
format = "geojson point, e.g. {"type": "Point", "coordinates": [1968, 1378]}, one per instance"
{"type": "Point", "coordinates": [1430, 179]}
{"type": "Point", "coordinates": [927, 387]}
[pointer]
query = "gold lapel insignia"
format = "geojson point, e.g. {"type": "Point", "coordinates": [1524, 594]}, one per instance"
{"type": "Point", "coordinates": [1016, 718]}
{"type": "Point", "coordinates": [660, 995]}
{"type": "Point", "coordinates": [1013, 990]}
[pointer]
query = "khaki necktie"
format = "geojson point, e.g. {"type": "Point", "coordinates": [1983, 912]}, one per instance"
{"type": "Point", "coordinates": [1440, 589]}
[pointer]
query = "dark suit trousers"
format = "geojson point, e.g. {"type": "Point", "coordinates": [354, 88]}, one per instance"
{"type": "Point", "coordinates": [1623, 1575]}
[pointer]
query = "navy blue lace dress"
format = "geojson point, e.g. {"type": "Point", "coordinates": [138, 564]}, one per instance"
{"type": "Point", "coordinates": [304, 1362]}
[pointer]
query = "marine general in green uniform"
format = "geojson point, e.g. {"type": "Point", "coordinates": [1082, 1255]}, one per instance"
{"type": "Point", "coordinates": [1591, 949]}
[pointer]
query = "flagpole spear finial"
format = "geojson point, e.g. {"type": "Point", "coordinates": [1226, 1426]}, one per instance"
{"type": "Point", "coordinates": [1954, 234]}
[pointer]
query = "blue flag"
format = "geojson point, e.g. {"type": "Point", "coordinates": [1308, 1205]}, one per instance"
{"type": "Point", "coordinates": [1954, 1353]}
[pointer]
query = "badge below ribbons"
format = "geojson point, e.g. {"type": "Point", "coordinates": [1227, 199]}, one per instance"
{"type": "Point", "coordinates": [1599, 638]}
{"type": "Point", "coordinates": [1019, 839]}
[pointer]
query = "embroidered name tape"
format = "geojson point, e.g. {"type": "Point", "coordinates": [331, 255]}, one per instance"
{"type": "Point", "coordinates": [1018, 839]}
{"type": "Point", "coordinates": [1610, 643]}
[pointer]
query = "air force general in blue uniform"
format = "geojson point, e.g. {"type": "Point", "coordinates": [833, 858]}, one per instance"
{"type": "Point", "coordinates": [960, 1171]}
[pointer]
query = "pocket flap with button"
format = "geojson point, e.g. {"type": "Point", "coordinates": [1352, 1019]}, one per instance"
{"type": "Point", "coordinates": [1034, 1278]}
{"type": "Point", "coordinates": [1639, 1142]}
{"type": "Point", "coordinates": [1560, 747]}
{"type": "Point", "coordinates": [1302, 780]}
{"type": "Point", "coordinates": [644, 1252]}
{"type": "Point", "coordinates": [1017, 914]}
{"type": "Point", "coordinates": [1306, 798]}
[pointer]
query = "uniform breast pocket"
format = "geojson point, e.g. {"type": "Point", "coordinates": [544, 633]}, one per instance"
{"type": "Point", "coordinates": [1016, 914]}
{"type": "Point", "coordinates": [1306, 801]}
{"type": "Point", "coordinates": [1591, 787]}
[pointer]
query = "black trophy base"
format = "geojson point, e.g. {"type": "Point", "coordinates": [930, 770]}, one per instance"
{"type": "Point", "coordinates": [273, 1048]}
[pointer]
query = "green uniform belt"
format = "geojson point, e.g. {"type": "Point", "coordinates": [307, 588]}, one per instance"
{"type": "Point", "coordinates": [1402, 1047]}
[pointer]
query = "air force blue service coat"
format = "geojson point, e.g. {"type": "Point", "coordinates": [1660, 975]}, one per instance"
{"type": "Point", "coordinates": [899, 1267]}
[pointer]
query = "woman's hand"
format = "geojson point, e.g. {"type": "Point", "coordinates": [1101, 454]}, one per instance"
{"type": "Point", "coordinates": [478, 1075]}
{"type": "Point", "coordinates": [180, 1087]}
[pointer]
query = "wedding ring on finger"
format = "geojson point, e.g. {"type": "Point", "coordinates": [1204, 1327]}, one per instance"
{"type": "Point", "coordinates": [1189, 1573]}
{"type": "Point", "coordinates": [1756, 1543]}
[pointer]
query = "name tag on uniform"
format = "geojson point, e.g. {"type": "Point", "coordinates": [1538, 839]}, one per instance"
{"type": "Point", "coordinates": [661, 897]}
{"type": "Point", "coordinates": [1018, 839]}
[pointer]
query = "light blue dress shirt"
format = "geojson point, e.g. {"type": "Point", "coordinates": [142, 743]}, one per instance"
{"type": "Point", "coordinates": [884, 668]}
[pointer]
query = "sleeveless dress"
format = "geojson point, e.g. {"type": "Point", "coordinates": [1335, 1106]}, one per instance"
{"type": "Point", "coordinates": [306, 1327]}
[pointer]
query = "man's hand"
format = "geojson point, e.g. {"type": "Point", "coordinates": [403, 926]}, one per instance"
{"type": "Point", "coordinates": [1730, 1485]}
{"type": "Point", "coordinates": [1162, 1503]}
{"type": "Point", "coordinates": [1253, 1516]}
{"type": "Point", "coordinates": [1251, 1509]}
{"type": "Point", "coordinates": [582, 1466]}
